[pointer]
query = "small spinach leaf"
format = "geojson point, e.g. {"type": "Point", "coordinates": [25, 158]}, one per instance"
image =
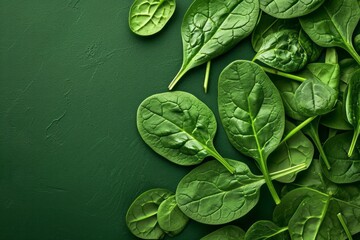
{"type": "Point", "coordinates": [141, 217]}
{"type": "Point", "coordinates": [352, 107]}
{"type": "Point", "coordinates": [170, 217]}
{"type": "Point", "coordinates": [264, 229]}
{"type": "Point", "coordinates": [148, 17]}
{"type": "Point", "coordinates": [212, 27]}
{"type": "Point", "coordinates": [296, 150]}
{"type": "Point", "coordinates": [333, 24]}
{"type": "Point", "coordinates": [252, 112]}
{"type": "Point", "coordinates": [229, 232]}
{"type": "Point", "coordinates": [289, 9]}
{"type": "Point", "coordinates": [344, 169]}
{"type": "Point", "coordinates": [179, 127]}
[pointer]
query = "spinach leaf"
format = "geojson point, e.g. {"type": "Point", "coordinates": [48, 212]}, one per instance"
{"type": "Point", "coordinates": [352, 107]}
{"type": "Point", "coordinates": [251, 112]}
{"type": "Point", "coordinates": [268, 25]}
{"type": "Point", "coordinates": [170, 217]}
{"type": "Point", "coordinates": [289, 9]}
{"type": "Point", "coordinates": [282, 50]}
{"type": "Point", "coordinates": [296, 150]}
{"type": "Point", "coordinates": [336, 119]}
{"type": "Point", "coordinates": [209, 194]}
{"type": "Point", "coordinates": [179, 127]}
{"type": "Point", "coordinates": [212, 27]}
{"type": "Point", "coordinates": [333, 24]}
{"type": "Point", "coordinates": [348, 67]}
{"type": "Point", "coordinates": [265, 229]}
{"type": "Point", "coordinates": [344, 169]}
{"type": "Point", "coordinates": [148, 17]}
{"type": "Point", "coordinates": [357, 42]}
{"type": "Point", "coordinates": [229, 232]}
{"type": "Point", "coordinates": [312, 214]}
{"type": "Point", "coordinates": [141, 217]}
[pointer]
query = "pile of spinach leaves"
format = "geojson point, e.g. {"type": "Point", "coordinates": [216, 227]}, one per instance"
{"type": "Point", "coordinates": [271, 109]}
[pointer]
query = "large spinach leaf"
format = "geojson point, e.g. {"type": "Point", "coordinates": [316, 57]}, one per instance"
{"type": "Point", "coordinates": [289, 9]}
{"type": "Point", "coordinates": [179, 127]}
{"type": "Point", "coordinates": [141, 217]}
{"type": "Point", "coordinates": [229, 232]}
{"type": "Point", "coordinates": [352, 107]}
{"type": "Point", "coordinates": [333, 24]}
{"type": "Point", "coordinates": [212, 27]}
{"type": "Point", "coordinates": [210, 194]}
{"type": "Point", "coordinates": [296, 150]}
{"type": "Point", "coordinates": [265, 229]}
{"type": "Point", "coordinates": [252, 112]}
{"type": "Point", "coordinates": [344, 169]}
{"type": "Point", "coordinates": [148, 17]}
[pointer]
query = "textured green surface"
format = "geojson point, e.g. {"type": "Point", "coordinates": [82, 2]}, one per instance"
{"type": "Point", "coordinates": [72, 75]}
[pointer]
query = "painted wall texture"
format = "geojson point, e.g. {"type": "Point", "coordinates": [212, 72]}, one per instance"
{"type": "Point", "coordinates": [71, 78]}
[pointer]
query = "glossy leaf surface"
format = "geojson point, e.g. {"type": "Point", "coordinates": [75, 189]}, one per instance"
{"type": "Point", "coordinates": [289, 9]}
{"type": "Point", "coordinates": [212, 27]}
{"type": "Point", "coordinates": [170, 217]}
{"type": "Point", "coordinates": [178, 126]}
{"type": "Point", "coordinates": [229, 232]}
{"type": "Point", "coordinates": [344, 169]}
{"type": "Point", "coordinates": [141, 217]}
{"type": "Point", "coordinates": [333, 24]}
{"type": "Point", "coordinates": [148, 17]}
{"type": "Point", "coordinates": [266, 230]}
{"type": "Point", "coordinates": [210, 194]}
{"type": "Point", "coordinates": [296, 150]}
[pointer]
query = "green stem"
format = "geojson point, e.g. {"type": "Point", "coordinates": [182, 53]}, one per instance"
{"type": "Point", "coordinates": [315, 138]}
{"type": "Point", "coordinates": [297, 128]}
{"type": "Point", "coordinates": [178, 76]}
{"type": "Point", "coordinates": [222, 160]}
{"type": "Point", "coordinates": [354, 140]}
{"type": "Point", "coordinates": [283, 74]}
{"type": "Point", "coordinates": [351, 50]}
{"type": "Point", "coordinates": [269, 183]}
{"type": "Point", "coordinates": [207, 74]}
{"type": "Point", "coordinates": [287, 171]}
{"type": "Point", "coordinates": [343, 224]}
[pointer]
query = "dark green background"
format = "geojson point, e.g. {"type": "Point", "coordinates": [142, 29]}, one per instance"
{"type": "Point", "coordinates": [71, 78]}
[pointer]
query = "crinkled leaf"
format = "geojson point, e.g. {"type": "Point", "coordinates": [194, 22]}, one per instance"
{"type": "Point", "coordinates": [170, 218]}
{"type": "Point", "coordinates": [344, 169]}
{"type": "Point", "coordinates": [229, 232]}
{"type": "Point", "coordinates": [289, 9]}
{"type": "Point", "coordinates": [148, 17]}
{"type": "Point", "coordinates": [296, 150]}
{"type": "Point", "coordinates": [141, 217]}
{"type": "Point", "coordinates": [264, 229]}
{"type": "Point", "coordinates": [212, 27]}
{"type": "Point", "coordinates": [209, 194]}
{"type": "Point", "coordinates": [178, 126]}
{"type": "Point", "coordinates": [250, 109]}
{"type": "Point", "coordinates": [282, 50]}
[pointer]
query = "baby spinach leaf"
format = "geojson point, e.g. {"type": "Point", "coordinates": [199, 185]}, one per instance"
{"type": "Point", "coordinates": [313, 97]}
{"type": "Point", "coordinates": [344, 169]}
{"type": "Point", "coordinates": [252, 112]}
{"type": "Point", "coordinates": [352, 107]}
{"type": "Point", "coordinates": [289, 9]}
{"type": "Point", "coordinates": [212, 27]}
{"type": "Point", "coordinates": [170, 217]}
{"type": "Point", "coordinates": [357, 42]}
{"type": "Point", "coordinates": [312, 214]}
{"type": "Point", "coordinates": [179, 127]}
{"type": "Point", "coordinates": [313, 51]}
{"type": "Point", "coordinates": [282, 50]}
{"type": "Point", "coordinates": [229, 232]}
{"type": "Point", "coordinates": [296, 150]}
{"type": "Point", "coordinates": [336, 118]}
{"type": "Point", "coordinates": [141, 217]}
{"type": "Point", "coordinates": [148, 17]}
{"type": "Point", "coordinates": [265, 229]}
{"type": "Point", "coordinates": [268, 25]}
{"type": "Point", "coordinates": [209, 194]}
{"type": "Point", "coordinates": [333, 24]}
{"type": "Point", "coordinates": [348, 67]}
